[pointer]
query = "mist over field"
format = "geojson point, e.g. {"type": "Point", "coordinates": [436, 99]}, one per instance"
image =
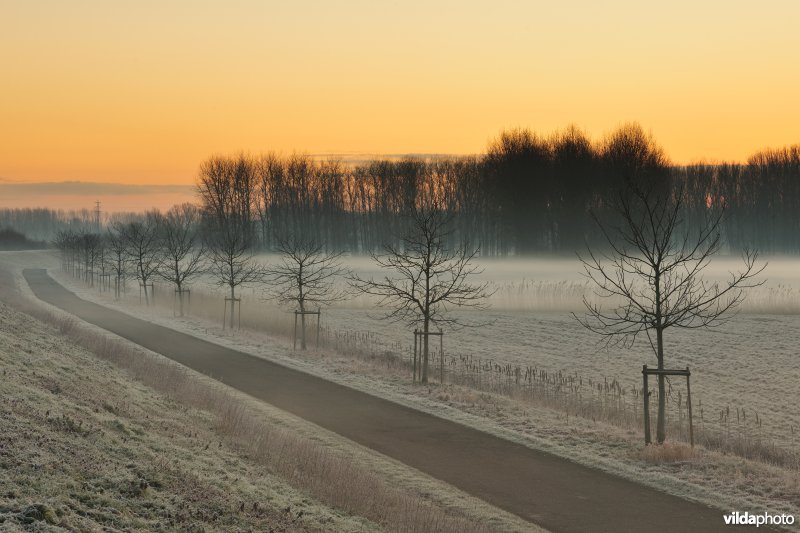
{"type": "Point", "coordinates": [529, 323]}
{"type": "Point", "coordinates": [556, 284]}
{"type": "Point", "coordinates": [511, 307]}
{"type": "Point", "coordinates": [430, 267]}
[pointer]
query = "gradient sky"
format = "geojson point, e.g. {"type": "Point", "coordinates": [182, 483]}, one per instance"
{"type": "Point", "coordinates": [143, 91]}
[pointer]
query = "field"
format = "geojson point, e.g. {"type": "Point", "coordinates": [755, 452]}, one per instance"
{"type": "Point", "coordinates": [744, 374]}
{"type": "Point", "coordinates": [747, 364]}
{"type": "Point", "coordinates": [98, 434]}
{"type": "Point", "coordinates": [583, 402]}
{"type": "Point", "coordinates": [86, 447]}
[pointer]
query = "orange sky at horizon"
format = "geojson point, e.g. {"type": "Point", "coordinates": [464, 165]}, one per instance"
{"type": "Point", "coordinates": [142, 92]}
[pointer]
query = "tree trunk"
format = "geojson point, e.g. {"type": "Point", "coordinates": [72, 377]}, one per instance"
{"type": "Point", "coordinates": [180, 300]}
{"type": "Point", "coordinates": [662, 398]}
{"type": "Point", "coordinates": [144, 283]}
{"type": "Point", "coordinates": [233, 303]}
{"type": "Point", "coordinates": [180, 289]}
{"type": "Point", "coordinates": [660, 431]}
{"type": "Point", "coordinates": [302, 325]}
{"type": "Point", "coordinates": [302, 303]}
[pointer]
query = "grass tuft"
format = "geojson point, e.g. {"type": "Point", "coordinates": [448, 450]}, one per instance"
{"type": "Point", "coordinates": [668, 452]}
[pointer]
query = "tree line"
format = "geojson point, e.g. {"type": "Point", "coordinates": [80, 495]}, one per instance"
{"type": "Point", "coordinates": [659, 230]}
{"type": "Point", "coordinates": [420, 281]}
{"type": "Point", "coordinates": [42, 223]}
{"type": "Point", "coordinates": [181, 245]}
{"type": "Point", "coordinates": [528, 193]}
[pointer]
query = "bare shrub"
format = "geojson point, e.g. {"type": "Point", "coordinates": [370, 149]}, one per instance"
{"type": "Point", "coordinates": [668, 452]}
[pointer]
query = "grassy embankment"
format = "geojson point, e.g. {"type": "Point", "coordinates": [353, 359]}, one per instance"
{"type": "Point", "coordinates": [97, 433]}
{"type": "Point", "coordinates": [721, 476]}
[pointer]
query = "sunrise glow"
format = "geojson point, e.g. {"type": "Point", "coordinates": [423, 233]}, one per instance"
{"type": "Point", "coordinates": [142, 92]}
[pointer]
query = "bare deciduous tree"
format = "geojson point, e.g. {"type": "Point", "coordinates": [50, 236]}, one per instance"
{"type": "Point", "coordinates": [652, 272]}
{"type": "Point", "coordinates": [91, 245]}
{"type": "Point", "coordinates": [142, 245]}
{"type": "Point", "coordinates": [117, 257]}
{"type": "Point", "coordinates": [305, 276]}
{"type": "Point", "coordinates": [426, 277]}
{"type": "Point", "coordinates": [231, 258]}
{"type": "Point", "coordinates": [67, 241]}
{"type": "Point", "coordinates": [227, 188]}
{"type": "Point", "coordinates": [182, 249]}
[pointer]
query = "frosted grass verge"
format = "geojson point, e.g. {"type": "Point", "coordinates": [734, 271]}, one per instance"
{"type": "Point", "coordinates": [601, 454]}
{"type": "Point", "coordinates": [338, 472]}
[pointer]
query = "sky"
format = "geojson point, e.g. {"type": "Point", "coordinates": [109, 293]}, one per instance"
{"type": "Point", "coordinates": [141, 92]}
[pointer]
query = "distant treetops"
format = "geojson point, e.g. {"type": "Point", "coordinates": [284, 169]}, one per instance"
{"type": "Point", "coordinates": [528, 192]}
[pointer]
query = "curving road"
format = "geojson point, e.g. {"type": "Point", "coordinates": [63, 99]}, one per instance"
{"type": "Point", "coordinates": [549, 491]}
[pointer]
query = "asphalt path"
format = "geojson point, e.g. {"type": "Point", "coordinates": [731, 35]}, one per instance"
{"type": "Point", "coordinates": [552, 492]}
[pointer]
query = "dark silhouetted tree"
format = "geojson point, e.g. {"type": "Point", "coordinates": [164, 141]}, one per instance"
{"type": "Point", "coordinates": [117, 257]}
{"type": "Point", "coordinates": [425, 277]}
{"type": "Point", "coordinates": [143, 248]}
{"type": "Point", "coordinates": [182, 249]}
{"type": "Point", "coordinates": [231, 259]}
{"type": "Point", "coordinates": [651, 272]}
{"type": "Point", "coordinates": [304, 276]}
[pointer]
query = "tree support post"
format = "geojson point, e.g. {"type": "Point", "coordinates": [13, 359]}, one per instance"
{"type": "Point", "coordinates": [234, 302]}
{"type": "Point", "coordinates": [666, 372]}
{"type": "Point", "coordinates": [318, 312]}
{"type": "Point", "coordinates": [177, 300]}
{"type": "Point", "coordinates": [418, 341]}
{"type": "Point", "coordinates": [689, 402]}
{"type": "Point", "coordinates": [152, 292]}
{"type": "Point", "coordinates": [441, 357]}
{"type": "Point", "coordinates": [294, 337]}
{"type": "Point", "coordinates": [646, 412]}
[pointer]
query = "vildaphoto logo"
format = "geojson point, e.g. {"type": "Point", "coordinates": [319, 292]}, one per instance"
{"type": "Point", "coordinates": [765, 519]}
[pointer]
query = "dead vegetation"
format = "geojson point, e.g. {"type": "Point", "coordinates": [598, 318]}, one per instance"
{"type": "Point", "coordinates": [230, 432]}
{"type": "Point", "coordinates": [575, 395]}
{"type": "Point", "coordinates": [596, 423]}
{"type": "Point", "coordinates": [668, 452]}
{"type": "Point", "coordinates": [84, 447]}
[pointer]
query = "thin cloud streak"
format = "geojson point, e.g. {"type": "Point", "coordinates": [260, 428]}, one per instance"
{"type": "Point", "coordinates": [113, 197]}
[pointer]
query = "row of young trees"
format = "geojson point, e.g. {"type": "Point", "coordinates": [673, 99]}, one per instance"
{"type": "Point", "coordinates": [651, 231]}
{"type": "Point", "coordinates": [181, 245]}
{"type": "Point", "coordinates": [654, 230]}
{"type": "Point", "coordinates": [529, 193]}
{"type": "Point", "coordinates": [423, 278]}
{"type": "Point", "coordinates": [652, 265]}
{"type": "Point", "coordinates": [153, 245]}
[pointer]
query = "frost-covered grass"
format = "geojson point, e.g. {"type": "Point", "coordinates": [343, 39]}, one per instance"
{"type": "Point", "coordinates": [164, 427]}
{"type": "Point", "coordinates": [745, 376]}
{"type": "Point", "coordinates": [85, 447]}
{"type": "Point", "coordinates": [747, 365]}
{"type": "Point", "coordinates": [732, 367]}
